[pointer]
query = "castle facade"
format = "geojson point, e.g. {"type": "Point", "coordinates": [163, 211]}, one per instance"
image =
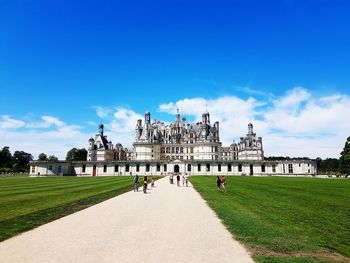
{"type": "Point", "coordinates": [161, 149]}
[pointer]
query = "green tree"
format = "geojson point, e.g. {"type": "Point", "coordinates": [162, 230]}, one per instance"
{"type": "Point", "coordinates": [21, 160]}
{"type": "Point", "coordinates": [345, 158]}
{"type": "Point", "coordinates": [5, 157]}
{"type": "Point", "coordinates": [75, 154]}
{"type": "Point", "coordinates": [42, 157]}
{"type": "Point", "coordinates": [52, 158]}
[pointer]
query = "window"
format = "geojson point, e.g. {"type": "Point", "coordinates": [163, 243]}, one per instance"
{"type": "Point", "coordinates": [84, 168]}
{"type": "Point", "coordinates": [105, 168]}
{"type": "Point", "coordinates": [263, 168]}
{"type": "Point", "coordinates": [172, 149]}
{"type": "Point", "coordinates": [165, 167]}
{"type": "Point", "coordinates": [240, 168]}
{"type": "Point", "coordinates": [167, 150]}
{"type": "Point", "coordinates": [162, 150]}
{"type": "Point", "coordinates": [116, 168]}
{"type": "Point", "coordinates": [188, 168]}
{"type": "Point", "coordinates": [290, 168]}
{"type": "Point", "coordinates": [229, 168]}
{"type": "Point", "coordinates": [127, 168]}
{"type": "Point", "coordinates": [137, 167]}
{"type": "Point", "coordinates": [50, 167]}
{"type": "Point", "coordinates": [199, 167]}
{"type": "Point", "coordinates": [273, 168]}
{"type": "Point", "coordinates": [147, 167]}
{"type": "Point", "coordinates": [33, 169]}
{"type": "Point", "coordinates": [158, 167]}
{"type": "Point", "coordinates": [59, 169]}
{"type": "Point", "coordinates": [219, 167]}
{"type": "Point", "coordinates": [208, 167]}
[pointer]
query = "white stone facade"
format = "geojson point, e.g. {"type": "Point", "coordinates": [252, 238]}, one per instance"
{"type": "Point", "coordinates": [160, 149]}
{"type": "Point", "coordinates": [247, 168]}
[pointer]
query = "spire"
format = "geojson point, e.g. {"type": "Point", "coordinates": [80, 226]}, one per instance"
{"type": "Point", "coordinates": [100, 129]}
{"type": "Point", "coordinates": [177, 115]}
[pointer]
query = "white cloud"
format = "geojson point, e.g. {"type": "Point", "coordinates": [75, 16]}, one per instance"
{"type": "Point", "coordinates": [295, 124]}
{"type": "Point", "coordinates": [122, 126]}
{"type": "Point", "coordinates": [6, 122]}
{"type": "Point", "coordinates": [34, 137]}
{"type": "Point", "coordinates": [103, 112]}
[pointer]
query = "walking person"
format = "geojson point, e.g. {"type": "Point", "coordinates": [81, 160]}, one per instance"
{"type": "Point", "coordinates": [218, 183]}
{"type": "Point", "coordinates": [183, 180]}
{"type": "Point", "coordinates": [145, 184]}
{"type": "Point", "coordinates": [186, 179]}
{"type": "Point", "coordinates": [178, 180]}
{"type": "Point", "coordinates": [136, 183]}
{"type": "Point", "coordinates": [223, 183]}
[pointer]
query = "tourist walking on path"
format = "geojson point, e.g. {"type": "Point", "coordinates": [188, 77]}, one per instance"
{"type": "Point", "coordinates": [218, 183]}
{"type": "Point", "coordinates": [186, 179]}
{"type": "Point", "coordinates": [183, 180]}
{"type": "Point", "coordinates": [178, 179]}
{"type": "Point", "coordinates": [152, 182]}
{"type": "Point", "coordinates": [136, 183]}
{"type": "Point", "coordinates": [223, 183]}
{"type": "Point", "coordinates": [145, 185]}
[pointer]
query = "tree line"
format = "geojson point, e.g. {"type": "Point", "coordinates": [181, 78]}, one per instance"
{"type": "Point", "coordinates": [18, 162]}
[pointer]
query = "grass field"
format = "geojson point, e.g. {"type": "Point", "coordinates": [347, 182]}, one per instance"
{"type": "Point", "coordinates": [26, 203]}
{"type": "Point", "coordinates": [284, 219]}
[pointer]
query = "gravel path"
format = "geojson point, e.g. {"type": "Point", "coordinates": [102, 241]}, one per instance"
{"type": "Point", "coordinates": [169, 224]}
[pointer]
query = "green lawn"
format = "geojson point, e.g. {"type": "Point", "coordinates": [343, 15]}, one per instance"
{"type": "Point", "coordinates": [26, 203]}
{"type": "Point", "coordinates": [284, 219]}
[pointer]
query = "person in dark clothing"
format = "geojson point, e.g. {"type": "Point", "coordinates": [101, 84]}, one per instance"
{"type": "Point", "coordinates": [218, 183]}
{"type": "Point", "coordinates": [145, 185]}
{"type": "Point", "coordinates": [178, 179]}
{"type": "Point", "coordinates": [136, 183]}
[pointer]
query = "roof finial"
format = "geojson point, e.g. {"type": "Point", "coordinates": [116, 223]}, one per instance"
{"type": "Point", "coordinates": [177, 110]}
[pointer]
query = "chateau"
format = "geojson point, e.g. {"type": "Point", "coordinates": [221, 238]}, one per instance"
{"type": "Point", "coordinates": [161, 149]}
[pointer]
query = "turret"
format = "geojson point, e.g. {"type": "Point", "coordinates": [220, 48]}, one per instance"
{"type": "Point", "coordinates": [147, 117]}
{"type": "Point", "coordinates": [91, 143]}
{"type": "Point", "coordinates": [177, 115]}
{"type": "Point", "coordinates": [250, 129]}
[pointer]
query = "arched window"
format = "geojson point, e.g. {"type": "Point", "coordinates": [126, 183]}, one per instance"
{"type": "Point", "coordinates": [188, 168]}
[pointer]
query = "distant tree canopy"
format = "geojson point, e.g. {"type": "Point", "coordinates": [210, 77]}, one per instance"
{"type": "Point", "coordinates": [76, 155]}
{"type": "Point", "coordinates": [52, 158]}
{"type": "Point", "coordinates": [327, 166]}
{"type": "Point", "coordinates": [18, 162]}
{"type": "Point", "coordinates": [344, 164]}
{"type": "Point", "coordinates": [42, 157]}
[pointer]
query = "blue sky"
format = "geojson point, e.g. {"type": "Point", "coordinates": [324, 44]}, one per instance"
{"type": "Point", "coordinates": [62, 62]}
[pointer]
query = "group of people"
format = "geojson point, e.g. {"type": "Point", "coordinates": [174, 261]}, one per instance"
{"type": "Point", "coordinates": [185, 178]}
{"type": "Point", "coordinates": [145, 183]}
{"type": "Point", "coordinates": [221, 183]}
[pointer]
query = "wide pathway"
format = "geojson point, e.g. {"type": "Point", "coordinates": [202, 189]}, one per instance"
{"type": "Point", "coordinates": [168, 224]}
